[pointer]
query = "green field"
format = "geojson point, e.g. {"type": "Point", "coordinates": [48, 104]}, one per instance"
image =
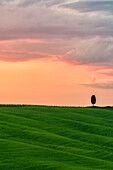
{"type": "Point", "coordinates": [63, 138]}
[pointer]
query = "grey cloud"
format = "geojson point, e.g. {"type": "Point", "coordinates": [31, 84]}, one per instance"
{"type": "Point", "coordinates": [91, 6]}
{"type": "Point", "coordinates": [89, 38]}
{"type": "Point", "coordinates": [5, 2]}
{"type": "Point", "coordinates": [38, 21]}
{"type": "Point", "coordinates": [108, 85]}
{"type": "Point", "coordinates": [26, 3]}
{"type": "Point", "coordinates": [97, 51]}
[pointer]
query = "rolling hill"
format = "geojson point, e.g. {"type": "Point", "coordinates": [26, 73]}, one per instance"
{"type": "Point", "coordinates": [56, 138]}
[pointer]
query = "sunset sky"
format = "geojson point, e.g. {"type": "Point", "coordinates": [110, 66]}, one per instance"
{"type": "Point", "coordinates": [56, 52]}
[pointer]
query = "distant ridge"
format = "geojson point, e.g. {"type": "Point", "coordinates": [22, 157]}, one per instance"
{"type": "Point", "coordinates": [19, 105]}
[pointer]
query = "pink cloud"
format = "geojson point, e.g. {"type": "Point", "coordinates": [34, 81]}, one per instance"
{"type": "Point", "coordinates": [41, 41]}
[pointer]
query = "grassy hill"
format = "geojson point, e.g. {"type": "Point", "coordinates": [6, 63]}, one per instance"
{"type": "Point", "coordinates": [52, 138]}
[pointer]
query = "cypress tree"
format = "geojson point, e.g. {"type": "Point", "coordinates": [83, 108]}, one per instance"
{"type": "Point", "coordinates": [93, 99]}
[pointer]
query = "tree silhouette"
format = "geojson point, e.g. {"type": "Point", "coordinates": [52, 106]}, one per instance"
{"type": "Point", "coordinates": [93, 99]}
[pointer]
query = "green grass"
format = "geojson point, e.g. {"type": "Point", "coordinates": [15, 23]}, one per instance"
{"type": "Point", "coordinates": [56, 138]}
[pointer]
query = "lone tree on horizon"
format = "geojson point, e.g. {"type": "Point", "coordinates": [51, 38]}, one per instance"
{"type": "Point", "coordinates": [93, 99]}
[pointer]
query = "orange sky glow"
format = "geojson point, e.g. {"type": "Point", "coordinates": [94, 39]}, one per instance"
{"type": "Point", "coordinates": [49, 82]}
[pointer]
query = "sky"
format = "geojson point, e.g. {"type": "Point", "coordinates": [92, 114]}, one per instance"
{"type": "Point", "coordinates": [55, 52]}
